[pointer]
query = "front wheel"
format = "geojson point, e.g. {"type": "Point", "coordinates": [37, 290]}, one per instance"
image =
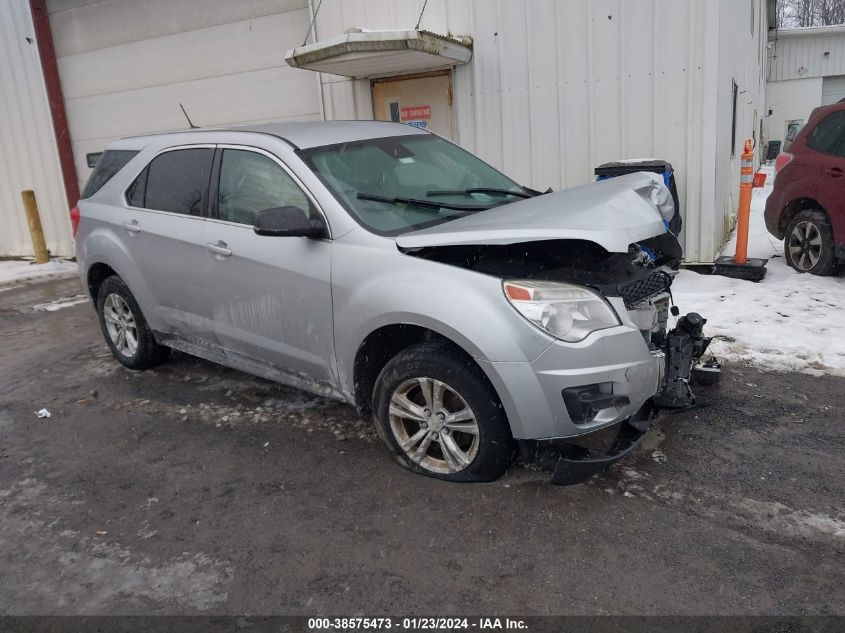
{"type": "Point", "coordinates": [440, 417]}
{"type": "Point", "coordinates": [808, 245]}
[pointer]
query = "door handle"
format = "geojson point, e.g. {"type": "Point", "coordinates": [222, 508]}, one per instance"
{"type": "Point", "coordinates": [219, 248]}
{"type": "Point", "coordinates": [836, 172]}
{"type": "Point", "coordinates": [132, 227]}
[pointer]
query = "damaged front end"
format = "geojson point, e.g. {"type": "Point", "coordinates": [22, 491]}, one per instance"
{"type": "Point", "coordinates": [679, 350]}
{"type": "Point", "coordinates": [616, 244]}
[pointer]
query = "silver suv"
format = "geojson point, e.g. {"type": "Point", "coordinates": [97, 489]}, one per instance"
{"type": "Point", "coordinates": [386, 267]}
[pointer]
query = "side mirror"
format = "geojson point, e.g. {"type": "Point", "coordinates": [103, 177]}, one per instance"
{"type": "Point", "coordinates": [288, 222]}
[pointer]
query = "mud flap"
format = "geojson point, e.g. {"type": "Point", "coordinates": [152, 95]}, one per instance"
{"type": "Point", "coordinates": [571, 471]}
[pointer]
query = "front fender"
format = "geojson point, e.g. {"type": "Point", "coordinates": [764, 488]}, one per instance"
{"type": "Point", "coordinates": [375, 287]}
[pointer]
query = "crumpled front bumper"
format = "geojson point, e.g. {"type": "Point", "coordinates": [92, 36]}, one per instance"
{"type": "Point", "coordinates": [574, 470]}
{"type": "Point", "coordinates": [684, 345]}
{"type": "Point", "coordinates": [532, 393]}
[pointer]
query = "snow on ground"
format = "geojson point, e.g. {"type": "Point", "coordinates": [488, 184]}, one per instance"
{"type": "Point", "coordinates": [16, 270]}
{"type": "Point", "coordinates": [58, 304]}
{"type": "Point", "coordinates": [787, 322]}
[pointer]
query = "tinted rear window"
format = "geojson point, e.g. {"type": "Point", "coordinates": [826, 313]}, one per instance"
{"type": "Point", "coordinates": [176, 181]}
{"type": "Point", "coordinates": [111, 162]}
{"type": "Point", "coordinates": [828, 137]}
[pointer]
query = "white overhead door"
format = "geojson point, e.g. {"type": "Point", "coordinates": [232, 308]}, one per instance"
{"type": "Point", "coordinates": [126, 66]}
{"type": "Point", "coordinates": [833, 89]}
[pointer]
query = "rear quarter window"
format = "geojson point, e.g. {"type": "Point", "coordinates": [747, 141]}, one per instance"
{"type": "Point", "coordinates": [111, 162]}
{"type": "Point", "coordinates": [828, 137]}
{"type": "Point", "coordinates": [175, 181]}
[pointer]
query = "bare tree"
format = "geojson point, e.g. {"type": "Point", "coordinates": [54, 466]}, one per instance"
{"type": "Point", "coordinates": [830, 11]}
{"type": "Point", "coordinates": [796, 13]}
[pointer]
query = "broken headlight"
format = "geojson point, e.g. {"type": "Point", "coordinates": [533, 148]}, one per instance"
{"type": "Point", "coordinates": [567, 312]}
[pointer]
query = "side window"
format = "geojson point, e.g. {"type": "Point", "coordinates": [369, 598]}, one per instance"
{"type": "Point", "coordinates": [138, 190]}
{"type": "Point", "coordinates": [111, 162]}
{"type": "Point", "coordinates": [251, 182]}
{"type": "Point", "coordinates": [828, 137]}
{"type": "Point", "coordinates": [176, 181]}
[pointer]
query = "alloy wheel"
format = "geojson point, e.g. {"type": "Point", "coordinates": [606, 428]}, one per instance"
{"type": "Point", "coordinates": [120, 324]}
{"type": "Point", "coordinates": [805, 245]}
{"type": "Point", "coordinates": [433, 425]}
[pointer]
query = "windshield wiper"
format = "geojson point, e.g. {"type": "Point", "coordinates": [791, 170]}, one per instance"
{"type": "Point", "coordinates": [428, 204]}
{"type": "Point", "coordinates": [487, 190]}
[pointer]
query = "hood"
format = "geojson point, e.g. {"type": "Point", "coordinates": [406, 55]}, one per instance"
{"type": "Point", "coordinates": [613, 213]}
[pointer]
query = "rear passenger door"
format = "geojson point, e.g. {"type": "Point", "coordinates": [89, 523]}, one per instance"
{"type": "Point", "coordinates": [165, 228]}
{"type": "Point", "coordinates": [827, 140]}
{"type": "Point", "coordinates": [272, 303]}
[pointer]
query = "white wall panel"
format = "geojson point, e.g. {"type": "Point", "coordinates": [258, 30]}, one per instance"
{"type": "Point", "coordinates": [80, 26]}
{"type": "Point", "coordinates": [28, 152]}
{"type": "Point", "coordinates": [542, 60]}
{"type": "Point", "coordinates": [791, 100]}
{"type": "Point", "coordinates": [833, 89]}
{"type": "Point", "coordinates": [515, 99]}
{"type": "Point", "coordinates": [800, 53]}
{"type": "Point", "coordinates": [556, 87]}
{"type": "Point", "coordinates": [126, 66]}
{"type": "Point", "coordinates": [226, 49]}
{"type": "Point", "coordinates": [737, 55]}
{"type": "Point", "coordinates": [241, 97]}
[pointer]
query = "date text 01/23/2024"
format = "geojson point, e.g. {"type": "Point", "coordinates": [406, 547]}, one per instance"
{"type": "Point", "coordinates": [415, 624]}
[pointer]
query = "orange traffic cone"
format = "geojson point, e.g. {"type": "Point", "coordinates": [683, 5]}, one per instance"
{"type": "Point", "coordinates": [739, 266]}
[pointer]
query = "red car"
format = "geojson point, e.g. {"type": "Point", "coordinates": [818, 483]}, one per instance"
{"type": "Point", "coordinates": [806, 208]}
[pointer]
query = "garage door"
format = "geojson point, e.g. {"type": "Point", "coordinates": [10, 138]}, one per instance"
{"type": "Point", "coordinates": [833, 89]}
{"type": "Point", "coordinates": [126, 66]}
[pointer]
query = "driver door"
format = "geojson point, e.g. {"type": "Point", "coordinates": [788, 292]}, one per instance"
{"type": "Point", "coordinates": [271, 296]}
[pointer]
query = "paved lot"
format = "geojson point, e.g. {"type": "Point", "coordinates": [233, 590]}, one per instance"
{"type": "Point", "coordinates": [197, 489]}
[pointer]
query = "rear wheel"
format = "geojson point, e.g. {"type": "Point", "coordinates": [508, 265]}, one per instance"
{"type": "Point", "coordinates": [808, 245]}
{"type": "Point", "coordinates": [440, 417]}
{"type": "Point", "coordinates": [124, 327]}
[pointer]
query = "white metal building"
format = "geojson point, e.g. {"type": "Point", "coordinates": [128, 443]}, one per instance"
{"type": "Point", "coordinates": [548, 90]}
{"type": "Point", "coordinates": [806, 70]}
{"type": "Point", "coordinates": [28, 153]}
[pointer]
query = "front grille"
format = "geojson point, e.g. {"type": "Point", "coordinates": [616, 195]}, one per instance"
{"type": "Point", "coordinates": [644, 288]}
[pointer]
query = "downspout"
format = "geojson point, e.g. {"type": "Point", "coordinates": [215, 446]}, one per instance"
{"type": "Point", "coordinates": [319, 75]}
{"type": "Point", "coordinates": [50, 70]}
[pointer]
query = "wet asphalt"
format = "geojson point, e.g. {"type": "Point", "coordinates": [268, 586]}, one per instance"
{"type": "Point", "coordinates": [193, 488]}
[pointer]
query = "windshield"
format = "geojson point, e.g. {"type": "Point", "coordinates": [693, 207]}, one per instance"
{"type": "Point", "coordinates": [402, 183]}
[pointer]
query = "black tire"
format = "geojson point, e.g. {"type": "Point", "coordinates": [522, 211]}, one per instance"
{"type": "Point", "coordinates": [464, 385]}
{"type": "Point", "coordinates": [798, 247]}
{"type": "Point", "coordinates": [147, 352]}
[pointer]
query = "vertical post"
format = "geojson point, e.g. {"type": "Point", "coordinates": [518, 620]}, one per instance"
{"type": "Point", "coordinates": [746, 182]}
{"type": "Point", "coordinates": [33, 219]}
{"type": "Point", "coordinates": [53, 86]}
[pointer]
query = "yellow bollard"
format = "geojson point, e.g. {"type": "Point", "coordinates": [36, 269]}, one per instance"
{"type": "Point", "coordinates": [33, 219]}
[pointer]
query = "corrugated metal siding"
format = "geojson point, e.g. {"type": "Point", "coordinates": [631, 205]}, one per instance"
{"type": "Point", "coordinates": [833, 90]}
{"type": "Point", "coordinates": [126, 66]}
{"type": "Point", "coordinates": [28, 154]}
{"type": "Point", "coordinates": [798, 54]}
{"type": "Point", "coordinates": [557, 87]}
{"type": "Point", "coordinates": [739, 59]}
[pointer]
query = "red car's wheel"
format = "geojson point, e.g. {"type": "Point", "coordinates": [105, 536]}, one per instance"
{"type": "Point", "coordinates": [808, 245]}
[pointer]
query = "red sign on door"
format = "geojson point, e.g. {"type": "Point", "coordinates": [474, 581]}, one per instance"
{"type": "Point", "coordinates": [412, 113]}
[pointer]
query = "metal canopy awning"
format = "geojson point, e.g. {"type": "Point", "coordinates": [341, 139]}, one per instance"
{"type": "Point", "coordinates": [361, 53]}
